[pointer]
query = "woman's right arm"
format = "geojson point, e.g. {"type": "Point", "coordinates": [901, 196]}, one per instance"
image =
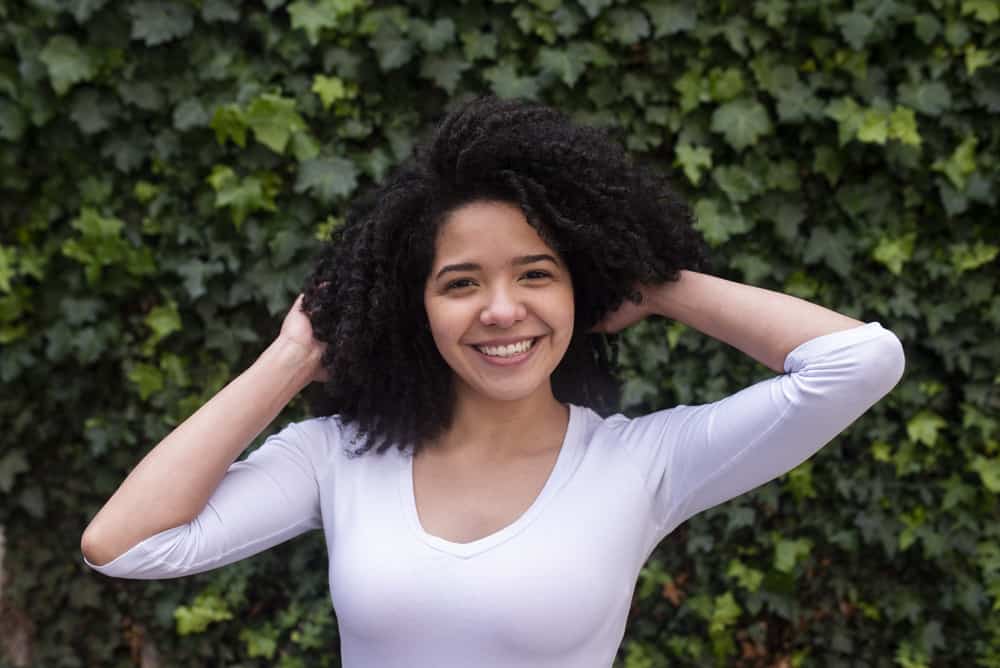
{"type": "Point", "coordinates": [174, 482]}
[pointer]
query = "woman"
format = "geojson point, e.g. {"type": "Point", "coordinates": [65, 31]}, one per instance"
{"type": "Point", "coordinates": [458, 320]}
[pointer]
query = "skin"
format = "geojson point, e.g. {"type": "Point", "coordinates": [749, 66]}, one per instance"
{"type": "Point", "coordinates": [493, 277]}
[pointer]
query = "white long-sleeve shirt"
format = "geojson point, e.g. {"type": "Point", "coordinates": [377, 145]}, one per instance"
{"type": "Point", "coordinates": [553, 588]}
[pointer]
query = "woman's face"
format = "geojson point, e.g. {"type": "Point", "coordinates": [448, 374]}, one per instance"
{"type": "Point", "coordinates": [500, 303]}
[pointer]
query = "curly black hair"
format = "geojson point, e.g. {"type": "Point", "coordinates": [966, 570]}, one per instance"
{"type": "Point", "coordinates": [615, 222]}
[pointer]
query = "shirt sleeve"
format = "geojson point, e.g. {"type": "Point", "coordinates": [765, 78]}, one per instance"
{"type": "Point", "coordinates": [694, 457]}
{"type": "Point", "coordinates": [271, 496]}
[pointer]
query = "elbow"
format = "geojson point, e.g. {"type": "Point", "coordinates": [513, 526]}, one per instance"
{"type": "Point", "coordinates": [895, 360]}
{"type": "Point", "coordinates": [93, 550]}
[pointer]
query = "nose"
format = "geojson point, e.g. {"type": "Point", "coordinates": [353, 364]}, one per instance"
{"type": "Point", "coordinates": [503, 309]}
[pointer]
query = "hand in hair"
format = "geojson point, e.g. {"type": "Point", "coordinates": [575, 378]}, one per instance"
{"type": "Point", "coordinates": [630, 312]}
{"type": "Point", "coordinates": [296, 328]}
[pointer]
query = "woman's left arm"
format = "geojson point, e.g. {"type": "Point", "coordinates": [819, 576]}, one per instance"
{"type": "Point", "coordinates": [764, 324]}
{"type": "Point", "coordinates": [833, 368]}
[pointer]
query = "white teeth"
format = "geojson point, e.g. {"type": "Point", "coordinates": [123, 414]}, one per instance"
{"type": "Point", "coordinates": [506, 351]}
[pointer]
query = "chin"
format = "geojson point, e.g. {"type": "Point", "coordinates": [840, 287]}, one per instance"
{"type": "Point", "coordinates": [508, 391]}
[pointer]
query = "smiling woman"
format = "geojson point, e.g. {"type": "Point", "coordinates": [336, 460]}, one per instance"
{"type": "Point", "coordinates": [459, 321]}
{"type": "Point", "coordinates": [499, 305]}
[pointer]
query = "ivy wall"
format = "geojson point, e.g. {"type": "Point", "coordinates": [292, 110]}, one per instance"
{"type": "Point", "coordinates": [168, 167]}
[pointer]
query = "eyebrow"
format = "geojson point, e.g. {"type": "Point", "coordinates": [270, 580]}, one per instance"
{"type": "Point", "coordinates": [516, 262]}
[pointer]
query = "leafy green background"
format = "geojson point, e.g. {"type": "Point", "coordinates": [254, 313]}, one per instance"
{"type": "Point", "coordinates": [168, 167]}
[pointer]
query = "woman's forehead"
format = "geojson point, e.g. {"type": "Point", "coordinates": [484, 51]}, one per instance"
{"type": "Point", "coordinates": [488, 229]}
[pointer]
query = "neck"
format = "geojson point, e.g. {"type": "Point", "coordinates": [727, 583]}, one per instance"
{"type": "Point", "coordinates": [487, 429]}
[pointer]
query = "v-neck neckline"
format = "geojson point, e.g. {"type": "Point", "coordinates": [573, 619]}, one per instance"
{"type": "Point", "coordinates": [557, 477]}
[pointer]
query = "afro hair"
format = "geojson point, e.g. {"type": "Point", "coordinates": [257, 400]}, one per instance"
{"type": "Point", "coordinates": [615, 222]}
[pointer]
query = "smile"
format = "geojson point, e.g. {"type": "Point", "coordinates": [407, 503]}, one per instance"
{"type": "Point", "coordinates": [508, 350]}
{"type": "Point", "coordinates": [505, 355]}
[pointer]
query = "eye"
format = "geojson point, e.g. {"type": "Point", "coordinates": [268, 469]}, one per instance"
{"type": "Point", "coordinates": [536, 274]}
{"type": "Point", "coordinates": [459, 283]}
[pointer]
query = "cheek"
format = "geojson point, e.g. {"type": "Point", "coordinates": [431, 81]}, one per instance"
{"type": "Point", "coordinates": [567, 311]}
{"type": "Point", "coordinates": [446, 324]}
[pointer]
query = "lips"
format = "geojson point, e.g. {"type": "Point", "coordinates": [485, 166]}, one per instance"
{"type": "Point", "coordinates": [511, 360]}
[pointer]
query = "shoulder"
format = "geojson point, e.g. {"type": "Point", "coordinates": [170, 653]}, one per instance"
{"type": "Point", "coordinates": [624, 431]}
{"type": "Point", "coordinates": [318, 441]}
{"type": "Point", "coordinates": [317, 431]}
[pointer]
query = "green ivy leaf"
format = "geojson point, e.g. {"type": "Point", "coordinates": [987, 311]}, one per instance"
{"type": "Point", "coordinates": [693, 89]}
{"type": "Point", "coordinates": [724, 84]}
{"type": "Point", "coordinates": [95, 226]}
{"type": "Point", "coordinates": [194, 272]}
{"type": "Point", "coordinates": [84, 9]}
{"type": "Point", "coordinates": [966, 257]}
{"type": "Point", "coordinates": [903, 126]}
{"type": "Point", "coordinates": [392, 48]}
{"type": "Point", "coordinates": [931, 98]}
{"type": "Point", "coordinates": [625, 26]}
{"type": "Point", "coordinates": [924, 427]}
{"type": "Point", "coordinates": [753, 267]}
{"type": "Point", "coordinates": [156, 22]}
{"type": "Point", "coordinates": [505, 82]}
{"type": "Point", "coordinates": [742, 122]}
{"type": "Point", "coordinates": [895, 252]}
{"type": "Point", "coordinates": [444, 70]}
{"type": "Point", "coordinates": [855, 27]}
{"type": "Point", "coordinates": [989, 472]}
{"type": "Point", "coordinates": [219, 10]}
{"type": "Point", "coordinates": [274, 120]}
{"type": "Point", "coordinates": [960, 164]}
{"type": "Point", "coordinates": [783, 175]}
{"type": "Point", "coordinates": [671, 17]}
{"type": "Point", "coordinates": [93, 112]}
{"type": "Point", "coordinates": [717, 223]}
{"type": "Point", "coordinates": [261, 642]}
{"type": "Point", "coordinates": [329, 89]}
{"type": "Point", "coordinates": [433, 37]}
{"type": "Point", "coordinates": [7, 272]}
{"type": "Point", "coordinates": [313, 17]}
{"type": "Point", "coordinates": [986, 11]}
{"type": "Point", "coordinates": [874, 126]}
{"type": "Point", "coordinates": [788, 552]}
{"type": "Point", "coordinates": [834, 249]}
{"type": "Point", "coordinates": [595, 7]}
{"type": "Point", "coordinates": [829, 163]}
{"type": "Point", "coordinates": [748, 578]}
{"type": "Point", "coordinates": [147, 378]}
{"type": "Point", "coordinates": [694, 160]}
{"type": "Point", "coordinates": [67, 63]}
{"type": "Point", "coordinates": [927, 27]}
{"type": "Point", "coordinates": [33, 500]}
{"type": "Point", "coordinates": [304, 146]}
{"type": "Point", "coordinates": [206, 609]}
{"type": "Point", "coordinates": [12, 464]}
{"type": "Point", "coordinates": [242, 196]}
{"type": "Point", "coordinates": [798, 104]}
{"type": "Point", "coordinates": [476, 44]}
{"type": "Point", "coordinates": [566, 63]}
{"type": "Point", "coordinates": [229, 122]}
{"type": "Point", "coordinates": [738, 183]}
{"type": "Point", "coordinates": [848, 115]}
{"type": "Point", "coordinates": [725, 612]}
{"type": "Point", "coordinates": [163, 320]}
{"type": "Point", "coordinates": [786, 214]}
{"type": "Point", "coordinates": [774, 12]}
{"type": "Point", "coordinates": [13, 122]}
{"type": "Point", "coordinates": [799, 482]}
{"type": "Point", "coordinates": [189, 114]}
{"type": "Point", "coordinates": [976, 58]}
{"type": "Point", "coordinates": [327, 178]}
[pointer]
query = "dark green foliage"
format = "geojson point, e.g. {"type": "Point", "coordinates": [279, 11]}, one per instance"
{"type": "Point", "coordinates": [166, 168]}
